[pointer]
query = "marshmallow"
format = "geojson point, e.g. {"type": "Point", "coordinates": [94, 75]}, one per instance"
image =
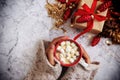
{"type": "Point", "coordinates": [62, 51]}
{"type": "Point", "coordinates": [61, 55]}
{"type": "Point", "coordinates": [75, 48]}
{"type": "Point", "coordinates": [77, 53]}
{"type": "Point", "coordinates": [64, 47]}
{"type": "Point", "coordinates": [68, 52]}
{"type": "Point", "coordinates": [63, 43]}
{"type": "Point", "coordinates": [64, 60]}
{"type": "Point", "coordinates": [59, 48]}
{"type": "Point", "coordinates": [73, 44]}
{"type": "Point", "coordinates": [68, 55]}
{"type": "Point", "coordinates": [71, 60]}
{"type": "Point", "coordinates": [72, 51]}
{"type": "Point", "coordinates": [74, 57]}
{"type": "Point", "coordinates": [68, 49]}
{"type": "Point", "coordinates": [67, 42]}
{"type": "Point", "coordinates": [68, 58]}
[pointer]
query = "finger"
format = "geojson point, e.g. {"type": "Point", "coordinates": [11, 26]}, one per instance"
{"type": "Point", "coordinates": [59, 38]}
{"type": "Point", "coordinates": [86, 56]}
{"type": "Point", "coordinates": [58, 55]}
{"type": "Point", "coordinates": [95, 62]}
{"type": "Point", "coordinates": [50, 55]}
{"type": "Point", "coordinates": [51, 46]}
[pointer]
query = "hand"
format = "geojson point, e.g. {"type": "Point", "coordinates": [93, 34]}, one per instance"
{"type": "Point", "coordinates": [50, 49]}
{"type": "Point", "coordinates": [85, 56]}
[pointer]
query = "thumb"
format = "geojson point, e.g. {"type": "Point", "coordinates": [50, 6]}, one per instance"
{"type": "Point", "coordinates": [87, 60]}
{"type": "Point", "coordinates": [50, 55]}
{"type": "Point", "coordinates": [86, 56]}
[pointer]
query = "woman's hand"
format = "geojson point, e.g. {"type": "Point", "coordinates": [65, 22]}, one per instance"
{"type": "Point", "coordinates": [51, 47]}
{"type": "Point", "coordinates": [85, 56]}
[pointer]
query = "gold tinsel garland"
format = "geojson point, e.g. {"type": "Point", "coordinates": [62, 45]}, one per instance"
{"type": "Point", "coordinates": [56, 11]}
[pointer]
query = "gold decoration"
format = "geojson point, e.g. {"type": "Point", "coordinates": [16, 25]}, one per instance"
{"type": "Point", "coordinates": [56, 11]}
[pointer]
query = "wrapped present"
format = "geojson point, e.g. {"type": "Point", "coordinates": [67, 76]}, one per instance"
{"type": "Point", "coordinates": [87, 16]}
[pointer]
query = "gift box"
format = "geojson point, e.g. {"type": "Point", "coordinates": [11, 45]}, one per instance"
{"type": "Point", "coordinates": [97, 25]}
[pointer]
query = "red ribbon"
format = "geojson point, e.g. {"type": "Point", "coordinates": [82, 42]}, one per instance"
{"type": "Point", "coordinates": [88, 11]}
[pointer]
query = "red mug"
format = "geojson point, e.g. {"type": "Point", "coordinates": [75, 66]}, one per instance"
{"type": "Point", "coordinates": [78, 58]}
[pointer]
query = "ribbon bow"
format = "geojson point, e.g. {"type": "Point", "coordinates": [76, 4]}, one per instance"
{"type": "Point", "coordinates": [88, 11]}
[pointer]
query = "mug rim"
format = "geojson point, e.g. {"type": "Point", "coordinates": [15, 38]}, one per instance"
{"type": "Point", "coordinates": [76, 61]}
